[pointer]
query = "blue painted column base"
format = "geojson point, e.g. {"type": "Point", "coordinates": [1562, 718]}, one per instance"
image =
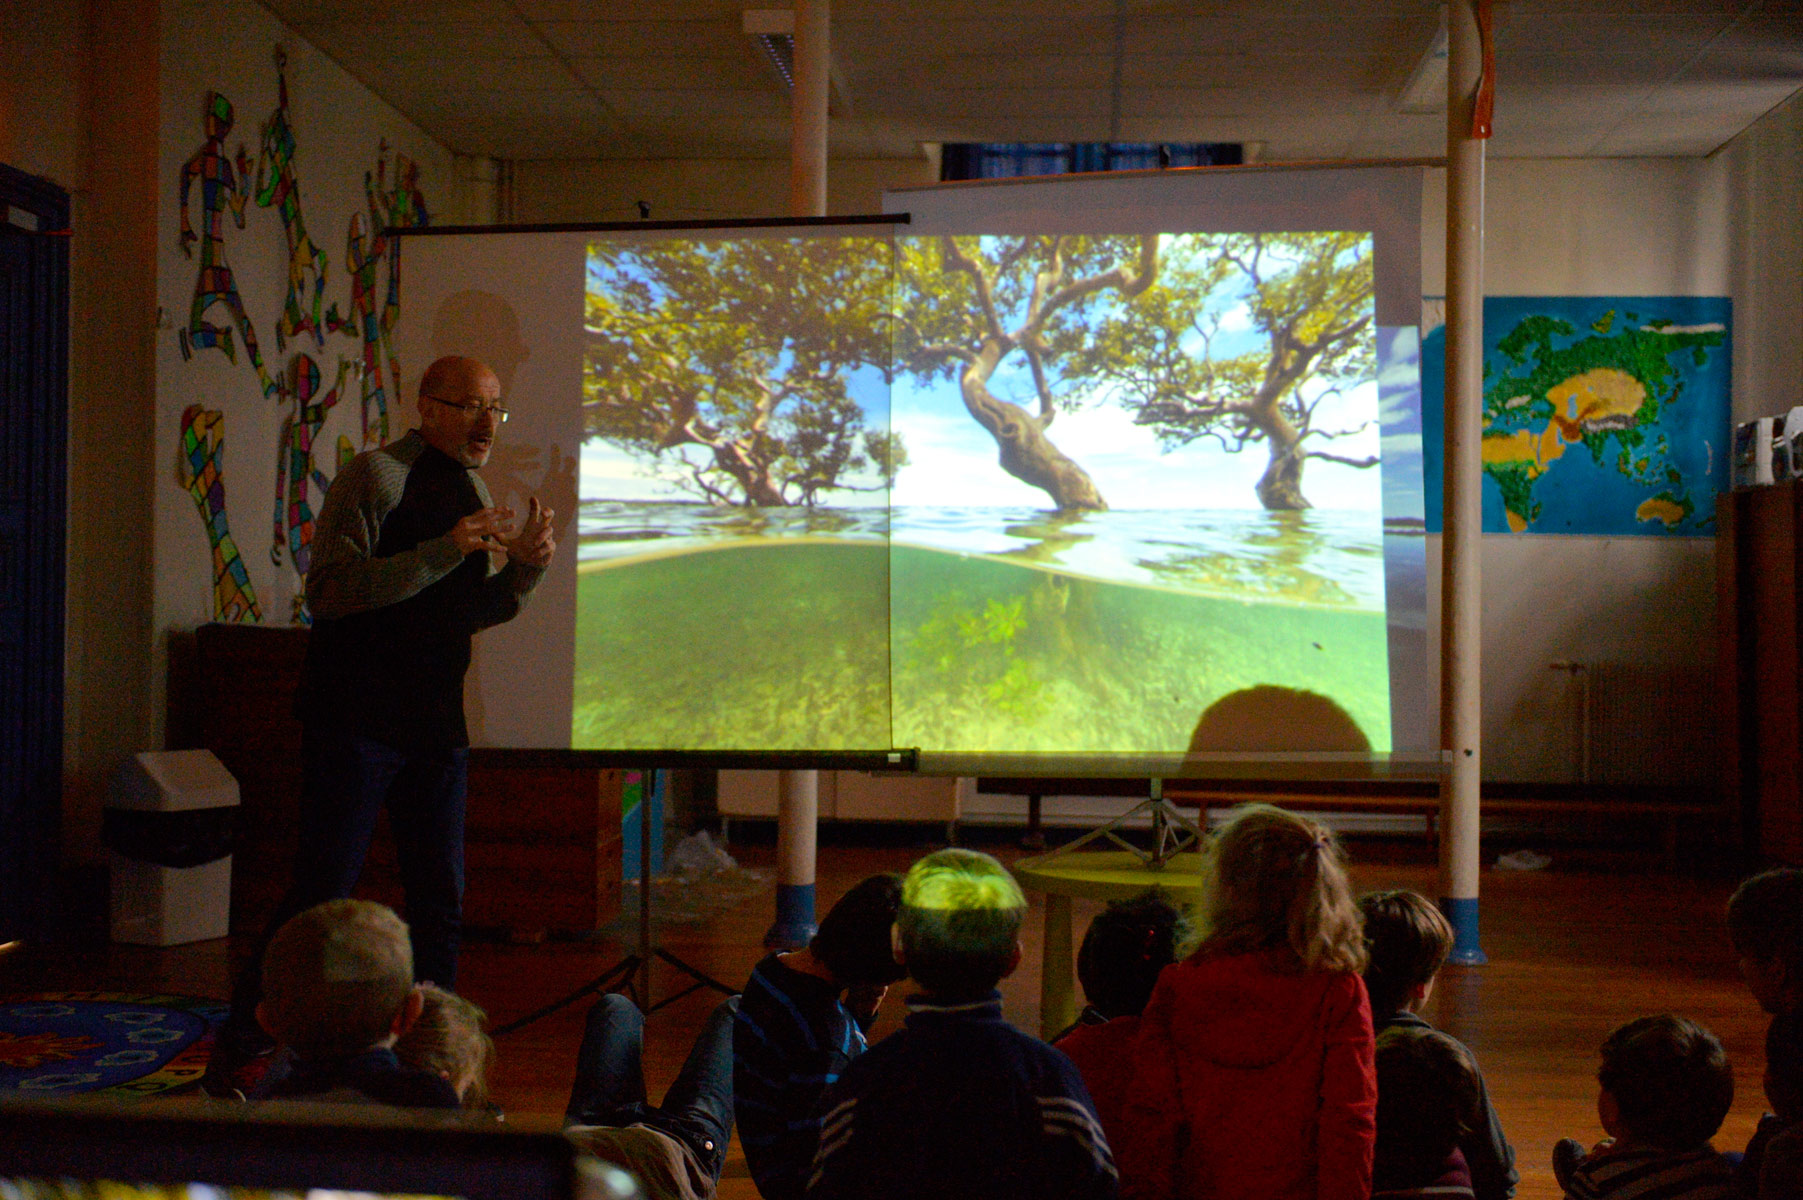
{"type": "Point", "coordinates": [794, 926]}
{"type": "Point", "coordinates": [1462, 914]}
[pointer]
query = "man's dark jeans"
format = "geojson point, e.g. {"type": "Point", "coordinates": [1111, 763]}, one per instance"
{"type": "Point", "coordinates": [610, 1080]}
{"type": "Point", "coordinates": [346, 782]}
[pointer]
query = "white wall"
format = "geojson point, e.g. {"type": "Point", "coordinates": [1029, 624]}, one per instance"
{"type": "Point", "coordinates": [1640, 610]}
{"type": "Point", "coordinates": [715, 189]}
{"type": "Point", "coordinates": [339, 127]}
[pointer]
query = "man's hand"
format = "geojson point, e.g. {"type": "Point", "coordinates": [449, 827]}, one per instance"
{"type": "Point", "coordinates": [536, 541]}
{"type": "Point", "coordinates": [486, 529]}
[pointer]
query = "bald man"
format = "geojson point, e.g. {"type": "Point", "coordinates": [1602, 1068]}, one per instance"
{"type": "Point", "coordinates": [401, 578]}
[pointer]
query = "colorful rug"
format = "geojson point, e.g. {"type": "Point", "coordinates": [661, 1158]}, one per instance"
{"type": "Point", "coordinates": [116, 1043]}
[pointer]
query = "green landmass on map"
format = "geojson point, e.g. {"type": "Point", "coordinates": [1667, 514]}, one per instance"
{"type": "Point", "coordinates": [1605, 391]}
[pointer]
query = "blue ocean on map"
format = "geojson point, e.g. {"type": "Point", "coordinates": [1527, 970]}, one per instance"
{"type": "Point", "coordinates": [1668, 484]}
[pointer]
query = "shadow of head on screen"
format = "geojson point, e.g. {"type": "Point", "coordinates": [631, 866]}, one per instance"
{"type": "Point", "coordinates": [1276, 719]}
{"type": "Point", "coordinates": [482, 325]}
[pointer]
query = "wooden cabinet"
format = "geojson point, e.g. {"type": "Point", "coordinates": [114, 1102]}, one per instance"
{"type": "Point", "coordinates": [1759, 591]}
{"type": "Point", "coordinates": [542, 835]}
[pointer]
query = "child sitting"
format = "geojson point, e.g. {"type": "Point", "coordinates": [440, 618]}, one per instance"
{"type": "Point", "coordinates": [1427, 1093]}
{"type": "Point", "coordinates": [1253, 1071]}
{"type": "Point", "coordinates": [1765, 922]}
{"type": "Point", "coordinates": [450, 1040]}
{"type": "Point", "coordinates": [1665, 1087]}
{"type": "Point", "coordinates": [959, 1103]}
{"type": "Point", "coordinates": [337, 991]}
{"type": "Point", "coordinates": [1127, 945]}
{"type": "Point", "coordinates": [1408, 940]}
{"type": "Point", "coordinates": [800, 1021]}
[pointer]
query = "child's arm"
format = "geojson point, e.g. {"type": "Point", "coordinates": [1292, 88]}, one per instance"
{"type": "Point", "coordinates": [1488, 1153]}
{"type": "Point", "coordinates": [1347, 1130]}
{"type": "Point", "coordinates": [1150, 1141]}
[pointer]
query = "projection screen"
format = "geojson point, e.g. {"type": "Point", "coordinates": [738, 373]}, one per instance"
{"type": "Point", "coordinates": [1038, 476]}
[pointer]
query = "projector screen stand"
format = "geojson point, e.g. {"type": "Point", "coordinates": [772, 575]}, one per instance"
{"type": "Point", "coordinates": [1172, 832]}
{"type": "Point", "coordinates": [633, 972]}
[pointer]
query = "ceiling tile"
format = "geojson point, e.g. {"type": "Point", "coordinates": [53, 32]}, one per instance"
{"type": "Point", "coordinates": [444, 43]}
{"type": "Point", "coordinates": [637, 106]}
{"type": "Point", "coordinates": [1675, 34]}
{"type": "Point", "coordinates": [634, 39]}
{"type": "Point", "coordinates": [740, 73]}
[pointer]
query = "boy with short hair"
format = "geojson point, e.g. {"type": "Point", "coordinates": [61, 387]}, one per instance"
{"type": "Point", "coordinates": [337, 991]}
{"type": "Point", "coordinates": [800, 1021]}
{"type": "Point", "coordinates": [959, 1103]}
{"type": "Point", "coordinates": [1408, 939]}
{"type": "Point", "coordinates": [1665, 1086]}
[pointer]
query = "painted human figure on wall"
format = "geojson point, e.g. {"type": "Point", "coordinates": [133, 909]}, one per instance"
{"type": "Point", "coordinates": [278, 188]}
{"type": "Point", "coordinates": [223, 184]}
{"type": "Point", "coordinates": [401, 207]}
{"type": "Point", "coordinates": [201, 469]}
{"type": "Point", "coordinates": [297, 471]}
{"type": "Point", "coordinates": [363, 258]}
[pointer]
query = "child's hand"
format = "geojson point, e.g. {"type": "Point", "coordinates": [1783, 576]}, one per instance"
{"type": "Point", "coordinates": [1602, 1149]}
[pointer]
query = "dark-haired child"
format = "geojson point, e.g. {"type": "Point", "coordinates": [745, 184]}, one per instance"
{"type": "Point", "coordinates": [1408, 939]}
{"type": "Point", "coordinates": [801, 1020]}
{"type": "Point", "coordinates": [959, 1104]}
{"type": "Point", "coordinates": [1427, 1094]}
{"type": "Point", "coordinates": [1765, 922]}
{"type": "Point", "coordinates": [1665, 1085]}
{"type": "Point", "coordinates": [1125, 948]}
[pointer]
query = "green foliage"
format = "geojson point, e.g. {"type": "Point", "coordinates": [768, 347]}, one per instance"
{"type": "Point", "coordinates": [743, 349]}
{"type": "Point", "coordinates": [1310, 299]}
{"type": "Point", "coordinates": [975, 651]}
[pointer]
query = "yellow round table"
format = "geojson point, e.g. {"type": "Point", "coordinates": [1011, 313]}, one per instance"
{"type": "Point", "coordinates": [1094, 875]}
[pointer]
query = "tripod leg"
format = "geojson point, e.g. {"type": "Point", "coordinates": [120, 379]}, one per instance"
{"type": "Point", "coordinates": [614, 975]}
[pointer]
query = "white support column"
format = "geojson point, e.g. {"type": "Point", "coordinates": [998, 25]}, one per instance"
{"type": "Point", "coordinates": [1461, 544]}
{"type": "Point", "coordinates": [798, 808]}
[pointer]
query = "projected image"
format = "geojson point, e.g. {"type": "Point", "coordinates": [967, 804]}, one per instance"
{"type": "Point", "coordinates": [734, 574]}
{"type": "Point", "coordinates": [99, 1189]}
{"type": "Point", "coordinates": [1141, 485]}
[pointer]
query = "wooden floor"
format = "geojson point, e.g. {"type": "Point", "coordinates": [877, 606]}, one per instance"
{"type": "Point", "coordinates": [1573, 952]}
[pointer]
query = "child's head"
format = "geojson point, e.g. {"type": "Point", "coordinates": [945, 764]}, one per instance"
{"type": "Point", "coordinates": [1126, 947]}
{"type": "Point", "coordinates": [449, 1040]}
{"type": "Point", "coordinates": [1277, 881]}
{"type": "Point", "coordinates": [854, 938]}
{"type": "Point", "coordinates": [1665, 1082]}
{"type": "Point", "coordinates": [958, 929]}
{"type": "Point", "coordinates": [1427, 1101]}
{"type": "Point", "coordinates": [1784, 1068]}
{"type": "Point", "coordinates": [1407, 938]}
{"type": "Point", "coordinates": [338, 979]}
{"type": "Point", "coordinates": [1765, 921]}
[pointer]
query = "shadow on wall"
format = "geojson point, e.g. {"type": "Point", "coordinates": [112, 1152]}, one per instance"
{"type": "Point", "coordinates": [1276, 719]}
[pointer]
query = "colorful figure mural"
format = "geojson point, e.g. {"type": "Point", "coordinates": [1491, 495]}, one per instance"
{"type": "Point", "coordinates": [202, 472]}
{"type": "Point", "coordinates": [222, 184]}
{"type": "Point", "coordinates": [403, 207]}
{"type": "Point", "coordinates": [296, 470]}
{"type": "Point", "coordinates": [278, 188]}
{"type": "Point", "coordinates": [305, 449]}
{"type": "Point", "coordinates": [363, 257]}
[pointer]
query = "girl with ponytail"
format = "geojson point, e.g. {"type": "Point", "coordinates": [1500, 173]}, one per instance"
{"type": "Point", "coordinates": [1253, 1069]}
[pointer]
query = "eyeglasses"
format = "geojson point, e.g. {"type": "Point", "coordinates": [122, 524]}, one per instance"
{"type": "Point", "coordinates": [495, 410]}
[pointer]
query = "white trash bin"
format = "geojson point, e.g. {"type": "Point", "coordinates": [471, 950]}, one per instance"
{"type": "Point", "coordinates": [168, 828]}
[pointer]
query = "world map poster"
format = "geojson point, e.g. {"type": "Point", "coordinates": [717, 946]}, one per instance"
{"type": "Point", "coordinates": [1602, 415]}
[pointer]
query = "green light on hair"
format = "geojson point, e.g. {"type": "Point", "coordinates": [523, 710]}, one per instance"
{"type": "Point", "coordinates": [960, 880]}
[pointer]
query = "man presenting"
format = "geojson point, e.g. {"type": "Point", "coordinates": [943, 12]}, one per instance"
{"type": "Point", "coordinates": [401, 578]}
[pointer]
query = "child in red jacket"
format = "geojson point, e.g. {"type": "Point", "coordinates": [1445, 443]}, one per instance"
{"type": "Point", "coordinates": [1253, 1071]}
